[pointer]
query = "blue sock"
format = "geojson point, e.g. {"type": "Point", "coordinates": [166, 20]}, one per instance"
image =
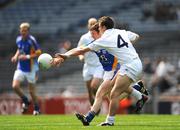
{"type": "Point", "coordinates": [36, 107]}
{"type": "Point", "coordinates": [137, 87]}
{"type": "Point", "coordinates": [25, 99]}
{"type": "Point", "coordinates": [90, 115]}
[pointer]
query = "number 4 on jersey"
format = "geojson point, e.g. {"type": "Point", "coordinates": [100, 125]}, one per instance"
{"type": "Point", "coordinates": [121, 42]}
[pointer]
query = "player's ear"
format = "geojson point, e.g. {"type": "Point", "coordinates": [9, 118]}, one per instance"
{"type": "Point", "coordinates": [104, 28]}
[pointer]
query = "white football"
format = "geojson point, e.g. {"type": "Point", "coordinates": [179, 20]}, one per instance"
{"type": "Point", "coordinates": [44, 61]}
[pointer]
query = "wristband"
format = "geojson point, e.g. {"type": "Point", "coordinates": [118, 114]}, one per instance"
{"type": "Point", "coordinates": [28, 56]}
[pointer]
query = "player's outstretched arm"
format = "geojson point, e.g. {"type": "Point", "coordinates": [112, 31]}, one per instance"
{"type": "Point", "coordinates": [60, 58]}
{"type": "Point", "coordinates": [56, 61]}
{"type": "Point", "coordinates": [73, 52]}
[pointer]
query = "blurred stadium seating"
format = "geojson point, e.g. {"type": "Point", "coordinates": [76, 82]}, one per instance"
{"type": "Point", "coordinates": [53, 21]}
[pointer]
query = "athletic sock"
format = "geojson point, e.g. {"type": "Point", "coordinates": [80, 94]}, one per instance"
{"type": "Point", "coordinates": [36, 107]}
{"type": "Point", "coordinates": [136, 94]}
{"type": "Point", "coordinates": [110, 119]}
{"type": "Point", "coordinates": [90, 116]}
{"type": "Point", "coordinates": [25, 99]}
{"type": "Point", "coordinates": [137, 87]}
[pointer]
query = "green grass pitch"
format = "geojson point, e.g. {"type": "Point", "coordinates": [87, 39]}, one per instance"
{"type": "Point", "coordinates": [69, 122]}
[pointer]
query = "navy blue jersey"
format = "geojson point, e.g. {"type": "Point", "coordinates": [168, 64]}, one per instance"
{"type": "Point", "coordinates": [108, 61]}
{"type": "Point", "coordinates": [27, 47]}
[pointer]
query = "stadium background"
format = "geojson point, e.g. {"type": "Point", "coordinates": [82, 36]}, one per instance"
{"type": "Point", "coordinates": [56, 21]}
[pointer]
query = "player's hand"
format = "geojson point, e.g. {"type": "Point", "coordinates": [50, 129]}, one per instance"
{"type": "Point", "coordinates": [14, 59]}
{"type": "Point", "coordinates": [57, 55]}
{"type": "Point", "coordinates": [22, 57]}
{"type": "Point", "coordinates": [57, 61]}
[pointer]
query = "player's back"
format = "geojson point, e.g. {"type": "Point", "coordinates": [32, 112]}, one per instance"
{"type": "Point", "coordinates": [117, 43]}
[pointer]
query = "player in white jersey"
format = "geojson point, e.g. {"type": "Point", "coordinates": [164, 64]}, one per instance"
{"type": "Point", "coordinates": [92, 69]}
{"type": "Point", "coordinates": [110, 66]}
{"type": "Point", "coordinates": [118, 44]}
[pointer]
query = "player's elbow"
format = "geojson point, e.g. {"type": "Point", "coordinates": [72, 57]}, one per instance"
{"type": "Point", "coordinates": [135, 39]}
{"type": "Point", "coordinates": [81, 52]}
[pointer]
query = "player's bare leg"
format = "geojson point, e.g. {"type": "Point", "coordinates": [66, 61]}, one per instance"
{"type": "Point", "coordinates": [95, 83]}
{"type": "Point", "coordinates": [90, 92]}
{"type": "Point", "coordinates": [121, 85]}
{"type": "Point", "coordinates": [19, 92]}
{"type": "Point", "coordinates": [16, 87]}
{"type": "Point", "coordinates": [94, 86]}
{"type": "Point", "coordinates": [32, 91]}
{"type": "Point", "coordinates": [102, 90]}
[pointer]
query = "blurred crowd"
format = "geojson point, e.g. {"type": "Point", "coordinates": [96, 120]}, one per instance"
{"type": "Point", "coordinates": [161, 12]}
{"type": "Point", "coordinates": [162, 74]}
{"type": "Point", "coordinates": [64, 46]}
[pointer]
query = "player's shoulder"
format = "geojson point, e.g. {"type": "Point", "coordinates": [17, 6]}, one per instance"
{"type": "Point", "coordinates": [132, 33]}
{"type": "Point", "coordinates": [120, 31]}
{"type": "Point", "coordinates": [19, 38]}
{"type": "Point", "coordinates": [86, 36]}
{"type": "Point", "coordinates": [32, 37]}
{"type": "Point", "coordinates": [85, 39]}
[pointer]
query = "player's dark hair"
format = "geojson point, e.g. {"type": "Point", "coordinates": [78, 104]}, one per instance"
{"type": "Point", "coordinates": [106, 21]}
{"type": "Point", "coordinates": [95, 27]}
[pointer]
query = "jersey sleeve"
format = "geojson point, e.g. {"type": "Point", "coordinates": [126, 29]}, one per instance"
{"type": "Point", "coordinates": [35, 43]}
{"type": "Point", "coordinates": [132, 36]}
{"type": "Point", "coordinates": [93, 47]}
{"type": "Point", "coordinates": [17, 41]}
{"type": "Point", "coordinates": [81, 42]}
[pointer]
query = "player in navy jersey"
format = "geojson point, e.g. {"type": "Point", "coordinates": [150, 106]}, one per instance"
{"type": "Point", "coordinates": [27, 67]}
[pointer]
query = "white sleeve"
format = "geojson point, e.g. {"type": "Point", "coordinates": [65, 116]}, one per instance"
{"type": "Point", "coordinates": [132, 36]}
{"type": "Point", "coordinates": [80, 43]}
{"type": "Point", "coordinates": [94, 47]}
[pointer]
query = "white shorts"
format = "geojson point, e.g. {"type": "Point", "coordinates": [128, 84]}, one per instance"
{"type": "Point", "coordinates": [109, 75]}
{"type": "Point", "coordinates": [90, 72]}
{"type": "Point", "coordinates": [29, 76]}
{"type": "Point", "coordinates": [132, 70]}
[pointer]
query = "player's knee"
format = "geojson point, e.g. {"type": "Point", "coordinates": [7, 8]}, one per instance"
{"type": "Point", "coordinates": [113, 95]}
{"type": "Point", "coordinates": [94, 85]}
{"type": "Point", "coordinates": [31, 92]}
{"type": "Point", "coordinates": [99, 95]}
{"type": "Point", "coordinates": [15, 86]}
